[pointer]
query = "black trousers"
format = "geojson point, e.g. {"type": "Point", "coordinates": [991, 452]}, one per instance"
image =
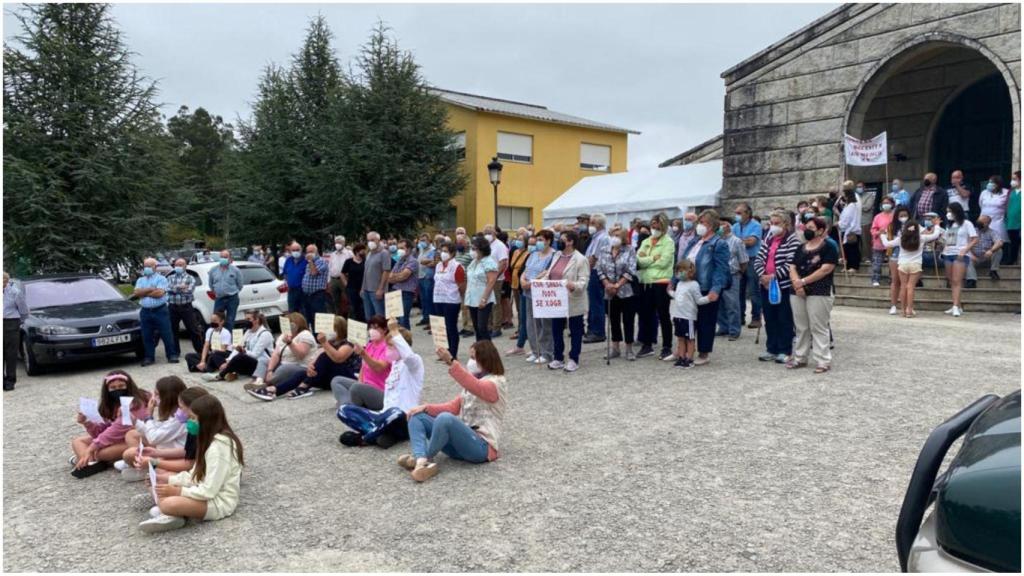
{"type": "Point", "coordinates": [214, 360]}
{"type": "Point", "coordinates": [778, 324]}
{"type": "Point", "coordinates": [242, 364]}
{"type": "Point", "coordinates": [450, 312]}
{"type": "Point", "coordinates": [12, 333]}
{"type": "Point", "coordinates": [852, 252]}
{"type": "Point", "coordinates": [623, 312]}
{"type": "Point", "coordinates": [481, 318]}
{"type": "Point", "coordinates": [1010, 254]}
{"type": "Point", "coordinates": [355, 308]}
{"type": "Point", "coordinates": [707, 319]}
{"type": "Point", "coordinates": [655, 298]}
{"type": "Point", "coordinates": [187, 314]}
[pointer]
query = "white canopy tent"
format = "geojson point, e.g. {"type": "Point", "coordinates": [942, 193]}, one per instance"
{"type": "Point", "coordinates": [639, 194]}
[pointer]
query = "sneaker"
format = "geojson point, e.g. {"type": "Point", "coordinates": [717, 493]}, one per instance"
{"type": "Point", "coordinates": [154, 512]}
{"type": "Point", "coordinates": [542, 359]}
{"type": "Point", "coordinates": [680, 363]}
{"type": "Point", "coordinates": [630, 355]}
{"type": "Point", "coordinates": [950, 311]}
{"type": "Point", "coordinates": [120, 465]}
{"type": "Point", "coordinates": [351, 439]}
{"type": "Point", "coordinates": [143, 500]}
{"type": "Point", "coordinates": [162, 523]}
{"type": "Point", "coordinates": [531, 358]}
{"type": "Point", "coordinates": [666, 355]}
{"type": "Point", "coordinates": [90, 469]}
{"type": "Point", "coordinates": [231, 376]}
{"type": "Point", "coordinates": [956, 312]}
{"type": "Point", "coordinates": [613, 353]}
{"type": "Point", "coordinates": [645, 351]}
{"type": "Point", "coordinates": [302, 393]}
{"type": "Point", "coordinates": [700, 361]}
{"type": "Point", "coordinates": [556, 365]}
{"type": "Point", "coordinates": [892, 311]}
{"type": "Point", "coordinates": [262, 394]}
{"type": "Point", "coordinates": [766, 357]}
{"type": "Point", "coordinates": [592, 338]}
{"type": "Point", "coordinates": [875, 284]}
{"type": "Point", "coordinates": [210, 376]}
{"type": "Point", "coordinates": [424, 473]}
{"type": "Point", "coordinates": [73, 460]}
{"type": "Point", "coordinates": [464, 332]}
{"type": "Point", "coordinates": [571, 366]}
{"type": "Point", "coordinates": [780, 359]}
{"type": "Point", "coordinates": [133, 475]}
{"type": "Point", "coordinates": [993, 274]}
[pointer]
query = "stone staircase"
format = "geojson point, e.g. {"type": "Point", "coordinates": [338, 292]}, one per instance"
{"type": "Point", "coordinates": [990, 296]}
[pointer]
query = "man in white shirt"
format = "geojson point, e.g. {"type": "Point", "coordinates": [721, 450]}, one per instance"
{"type": "Point", "coordinates": [337, 303]}
{"type": "Point", "coordinates": [15, 310]}
{"type": "Point", "coordinates": [959, 192]}
{"type": "Point", "coordinates": [500, 254]}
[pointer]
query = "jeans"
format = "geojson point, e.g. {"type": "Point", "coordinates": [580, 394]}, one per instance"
{"type": "Point", "coordinates": [407, 298]}
{"type": "Point", "coordinates": [155, 320]}
{"type": "Point", "coordinates": [524, 301]}
{"type": "Point", "coordinates": [314, 303]}
{"type": "Point", "coordinates": [706, 318]}
{"type": "Point", "coordinates": [622, 316]}
{"type": "Point", "coordinates": [538, 332]}
{"type": "Point", "coordinates": [575, 337]}
{"type": "Point", "coordinates": [448, 434]}
{"type": "Point", "coordinates": [450, 312]}
{"type": "Point", "coordinates": [427, 298]}
{"type": "Point", "coordinates": [750, 286]}
{"type": "Point", "coordinates": [295, 299]}
{"type": "Point", "coordinates": [481, 321]}
{"type": "Point", "coordinates": [228, 305]}
{"type": "Point", "coordinates": [778, 325]}
{"type": "Point", "coordinates": [372, 306]}
{"type": "Point", "coordinates": [877, 259]}
{"type": "Point", "coordinates": [730, 320]}
{"type": "Point", "coordinates": [370, 424]}
{"type": "Point", "coordinates": [595, 314]}
{"type": "Point", "coordinates": [185, 313]}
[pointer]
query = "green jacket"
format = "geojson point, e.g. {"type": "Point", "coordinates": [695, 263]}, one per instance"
{"type": "Point", "coordinates": [654, 261]}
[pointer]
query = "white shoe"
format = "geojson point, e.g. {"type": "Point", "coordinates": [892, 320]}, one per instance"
{"type": "Point", "coordinates": [154, 512]}
{"type": "Point", "coordinates": [950, 311]}
{"type": "Point", "coordinates": [875, 284]}
{"type": "Point", "coordinates": [121, 465]}
{"type": "Point", "coordinates": [957, 312]}
{"type": "Point", "coordinates": [542, 360]}
{"type": "Point", "coordinates": [892, 311]}
{"type": "Point", "coordinates": [556, 365]}
{"type": "Point", "coordinates": [162, 523]}
{"type": "Point", "coordinates": [531, 358]}
{"type": "Point", "coordinates": [571, 367]}
{"type": "Point", "coordinates": [209, 376]}
{"type": "Point", "coordinates": [133, 475]}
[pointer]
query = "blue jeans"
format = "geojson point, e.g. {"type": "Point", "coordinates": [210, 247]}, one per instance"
{"type": "Point", "coordinates": [730, 320]}
{"type": "Point", "coordinates": [155, 320]}
{"type": "Point", "coordinates": [427, 298]}
{"type": "Point", "coordinates": [407, 298]}
{"type": "Point", "coordinates": [595, 314]}
{"type": "Point", "coordinates": [295, 300]}
{"type": "Point", "coordinates": [451, 324]}
{"type": "Point", "coordinates": [524, 301]}
{"type": "Point", "coordinates": [448, 434]}
{"type": "Point", "coordinates": [312, 304]}
{"type": "Point", "coordinates": [750, 286]}
{"type": "Point", "coordinates": [229, 306]}
{"type": "Point", "coordinates": [372, 306]}
{"type": "Point", "coordinates": [371, 424]}
{"type": "Point", "coordinates": [575, 337]}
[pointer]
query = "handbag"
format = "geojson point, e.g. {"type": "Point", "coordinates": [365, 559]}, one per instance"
{"type": "Point", "coordinates": [774, 293]}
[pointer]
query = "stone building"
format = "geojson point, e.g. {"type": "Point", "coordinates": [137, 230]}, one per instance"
{"type": "Point", "coordinates": [942, 79]}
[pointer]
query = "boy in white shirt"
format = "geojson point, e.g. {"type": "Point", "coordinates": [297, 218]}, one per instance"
{"type": "Point", "coordinates": [683, 309]}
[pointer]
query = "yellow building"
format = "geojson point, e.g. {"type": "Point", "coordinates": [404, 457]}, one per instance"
{"type": "Point", "coordinates": [543, 154]}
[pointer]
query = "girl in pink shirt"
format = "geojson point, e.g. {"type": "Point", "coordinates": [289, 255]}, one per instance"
{"type": "Point", "coordinates": [879, 225]}
{"type": "Point", "coordinates": [368, 390]}
{"type": "Point", "coordinates": [105, 441]}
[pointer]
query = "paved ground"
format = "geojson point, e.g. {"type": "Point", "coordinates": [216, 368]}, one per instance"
{"type": "Point", "coordinates": [740, 465]}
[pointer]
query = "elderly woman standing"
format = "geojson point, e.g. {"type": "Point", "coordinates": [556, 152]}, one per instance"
{"type": "Point", "coordinates": [538, 330]}
{"type": "Point", "coordinates": [710, 255]}
{"type": "Point", "coordinates": [811, 277]}
{"type": "Point", "coordinates": [655, 261]}
{"type": "Point", "coordinates": [572, 267]}
{"type": "Point", "coordinates": [616, 270]}
{"type": "Point", "coordinates": [522, 246]}
{"type": "Point", "coordinates": [772, 264]}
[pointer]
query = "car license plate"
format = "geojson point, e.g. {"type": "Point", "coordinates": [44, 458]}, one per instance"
{"type": "Point", "coordinates": [108, 340]}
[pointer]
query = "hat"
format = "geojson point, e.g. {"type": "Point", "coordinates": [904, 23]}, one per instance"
{"type": "Point", "coordinates": [583, 216]}
{"type": "Point", "coordinates": [931, 215]}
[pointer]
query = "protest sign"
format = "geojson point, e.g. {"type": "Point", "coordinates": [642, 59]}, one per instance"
{"type": "Point", "coordinates": [286, 325]}
{"type": "Point", "coordinates": [357, 333]}
{"type": "Point", "coordinates": [439, 332]}
{"type": "Point", "coordinates": [237, 337]}
{"type": "Point", "coordinates": [323, 323]}
{"type": "Point", "coordinates": [126, 410]}
{"type": "Point", "coordinates": [90, 408]}
{"type": "Point", "coordinates": [550, 298]}
{"type": "Point", "coordinates": [872, 152]}
{"type": "Point", "coordinates": [393, 307]}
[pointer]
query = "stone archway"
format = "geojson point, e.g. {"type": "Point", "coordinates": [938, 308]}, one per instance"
{"type": "Point", "coordinates": [907, 93]}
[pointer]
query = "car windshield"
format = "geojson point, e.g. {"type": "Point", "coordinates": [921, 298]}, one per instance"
{"type": "Point", "coordinates": [68, 291]}
{"type": "Point", "coordinates": [256, 275]}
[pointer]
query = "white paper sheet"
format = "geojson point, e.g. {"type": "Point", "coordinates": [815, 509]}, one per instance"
{"type": "Point", "coordinates": [126, 410]}
{"type": "Point", "coordinates": [152, 482]}
{"type": "Point", "coordinates": [91, 409]}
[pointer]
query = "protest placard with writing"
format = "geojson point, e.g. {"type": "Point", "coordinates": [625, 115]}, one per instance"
{"type": "Point", "coordinates": [550, 298]}
{"type": "Point", "coordinates": [286, 325]}
{"type": "Point", "coordinates": [439, 332]}
{"type": "Point", "coordinates": [237, 337]}
{"type": "Point", "coordinates": [323, 323]}
{"type": "Point", "coordinates": [393, 307]}
{"type": "Point", "coordinates": [357, 333]}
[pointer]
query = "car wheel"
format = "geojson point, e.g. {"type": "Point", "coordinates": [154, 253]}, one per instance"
{"type": "Point", "coordinates": [32, 367]}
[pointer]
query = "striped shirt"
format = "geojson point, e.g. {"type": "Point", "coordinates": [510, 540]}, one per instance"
{"type": "Point", "coordinates": [783, 258]}
{"type": "Point", "coordinates": [180, 288]}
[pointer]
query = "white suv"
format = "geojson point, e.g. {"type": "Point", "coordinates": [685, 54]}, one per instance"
{"type": "Point", "coordinates": [261, 291]}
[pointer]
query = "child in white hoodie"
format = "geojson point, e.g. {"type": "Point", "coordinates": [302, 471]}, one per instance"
{"type": "Point", "coordinates": [402, 391]}
{"type": "Point", "coordinates": [685, 299]}
{"type": "Point", "coordinates": [158, 429]}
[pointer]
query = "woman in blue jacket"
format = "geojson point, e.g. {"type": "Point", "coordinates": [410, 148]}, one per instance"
{"type": "Point", "coordinates": [710, 255]}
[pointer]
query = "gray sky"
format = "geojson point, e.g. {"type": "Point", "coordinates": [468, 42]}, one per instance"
{"type": "Point", "coordinates": [653, 68]}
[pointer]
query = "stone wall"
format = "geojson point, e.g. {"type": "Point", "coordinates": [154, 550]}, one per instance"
{"type": "Point", "coordinates": [786, 109]}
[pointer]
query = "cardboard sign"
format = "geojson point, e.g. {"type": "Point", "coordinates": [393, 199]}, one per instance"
{"type": "Point", "coordinates": [550, 298]}
{"type": "Point", "coordinates": [90, 408]}
{"type": "Point", "coordinates": [216, 343]}
{"type": "Point", "coordinates": [126, 410]}
{"type": "Point", "coordinates": [286, 325]}
{"type": "Point", "coordinates": [152, 482]}
{"type": "Point", "coordinates": [237, 337]}
{"type": "Point", "coordinates": [323, 323]}
{"type": "Point", "coordinates": [439, 332]}
{"type": "Point", "coordinates": [393, 307]}
{"type": "Point", "coordinates": [357, 333]}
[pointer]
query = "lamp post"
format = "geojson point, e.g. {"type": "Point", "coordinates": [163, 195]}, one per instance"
{"type": "Point", "coordinates": [494, 172]}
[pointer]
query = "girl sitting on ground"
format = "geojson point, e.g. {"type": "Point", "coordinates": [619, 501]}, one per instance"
{"type": "Point", "coordinates": [683, 310]}
{"type": "Point", "coordinates": [160, 429]}
{"type": "Point", "coordinates": [250, 356]}
{"type": "Point", "coordinates": [210, 490]}
{"type": "Point", "coordinates": [216, 348]}
{"type": "Point", "coordinates": [401, 392]}
{"type": "Point", "coordinates": [291, 356]}
{"type": "Point", "coordinates": [104, 442]}
{"type": "Point", "coordinates": [335, 358]}
{"type": "Point", "coordinates": [469, 426]}
{"type": "Point", "coordinates": [368, 390]}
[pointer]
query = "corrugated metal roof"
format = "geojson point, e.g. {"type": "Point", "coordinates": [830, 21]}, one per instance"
{"type": "Point", "coordinates": [522, 110]}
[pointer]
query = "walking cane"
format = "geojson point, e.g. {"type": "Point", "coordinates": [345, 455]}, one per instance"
{"type": "Point", "coordinates": [757, 338]}
{"type": "Point", "coordinates": [607, 331]}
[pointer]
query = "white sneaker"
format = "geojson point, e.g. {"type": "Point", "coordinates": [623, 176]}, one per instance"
{"type": "Point", "coordinates": [957, 312]}
{"type": "Point", "coordinates": [875, 284]}
{"type": "Point", "coordinates": [556, 365]}
{"type": "Point", "coordinates": [121, 465]}
{"type": "Point", "coordinates": [133, 475]}
{"type": "Point", "coordinates": [154, 512]}
{"type": "Point", "coordinates": [209, 376]}
{"type": "Point", "coordinates": [542, 359]}
{"type": "Point", "coordinates": [571, 366]}
{"type": "Point", "coordinates": [531, 358]}
{"type": "Point", "coordinates": [162, 523]}
{"type": "Point", "coordinates": [950, 311]}
{"type": "Point", "coordinates": [892, 311]}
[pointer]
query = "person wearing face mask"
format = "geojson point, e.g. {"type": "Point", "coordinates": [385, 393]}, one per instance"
{"type": "Point", "coordinates": [426, 258]}
{"type": "Point", "coordinates": [849, 228]}
{"type": "Point", "coordinates": [226, 282]}
{"type": "Point", "coordinates": [294, 271]}
{"type": "Point", "coordinates": [571, 267]}
{"type": "Point", "coordinates": [523, 246]}
{"type": "Point", "coordinates": [314, 284]}
{"type": "Point", "coordinates": [1013, 221]}
{"type": "Point", "coordinates": [469, 426]}
{"type": "Point", "coordinates": [335, 357]}
{"type": "Point", "coordinates": [988, 250]}
{"type": "Point", "coordinates": [154, 316]}
{"type": "Point", "coordinates": [687, 234]}
{"type": "Point", "coordinates": [710, 256]}
{"type": "Point", "coordinates": [676, 229]}
{"type": "Point", "coordinates": [338, 302]}
{"type": "Point", "coordinates": [812, 296]}
{"type": "Point", "coordinates": [464, 258]}
{"type": "Point", "coordinates": [449, 291]}
{"type": "Point", "coordinates": [404, 277]}
{"type": "Point", "coordinates": [499, 253]}
{"type": "Point", "coordinates": [655, 261]}
{"type": "Point", "coordinates": [960, 239]}
{"type": "Point", "coordinates": [749, 231]}
{"type": "Point", "coordinates": [104, 442]}
{"type": "Point", "coordinates": [180, 294]}
{"type": "Point", "coordinates": [216, 348]}
{"type": "Point", "coordinates": [291, 356]}
{"type": "Point", "coordinates": [160, 429]}
{"type": "Point", "coordinates": [616, 271]}
{"type": "Point", "coordinates": [772, 264]}
{"type": "Point", "coordinates": [402, 389]}
{"type": "Point", "coordinates": [993, 202]}
{"type": "Point", "coordinates": [730, 322]}
{"type": "Point", "coordinates": [959, 192]}
{"type": "Point", "coordinates": [481, 283]}
{"type": "Point", "coordinates": [251, 356]}
{"type": "Point", "coordinates": [376, 271]}
{"type": "Point", "coordinates": [899, 195]}
{"type": "Point", "coordinates": [928, 198]}
{"type": "Point", "coordinates": [599, 243]}
{"type": "Point", "coordinates": [15, 309]}
{"type": "Point", "coordinates": [368, 389]}
{"type": "Point", "coordinates": [538, 330]}
{"type": "Point", "coordinates": [879, 224]}
{"type": "Point", "coordinates": [256, 256]}
{"type": "Point", "coordinates": [910, 241]}
{"type": "Point", "coordinates": [352, 280]}
{"type": "Point", "coordinates": [901, 215]}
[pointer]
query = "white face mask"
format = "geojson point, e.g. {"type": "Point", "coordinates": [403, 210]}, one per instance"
{"type": "Point", "coordinates": [489, 237]}
{"type": "Point", "coordinates": [338, 247]}
{"type": "Point", "coordinates": [775, 230]}
{"type": "Point", "coordinates": [374, 334]}
{"type": "Point", "coordinates": [445, 256]}
{"type": "Point", "coordinates": [1014, 184]}
{"type": "Point", "coordinates": [675, 229]}
{"type": "Point", "coordinates": [592, 230]}
{"type": "Point", "coordinates": [474, 368]}
{"type": "Point", "coordinates": [472, 254]}
{"type": "Point", "coordinates": [371, 245]}
{"type": "Point", "coordinates": [616, 241]}
{"type": "Point", "coordinates": [701, 230]}
{"type": "Point", "coordinates": [656, 233]}
{"type": "Point", "coordinates": [904, 219]}
{"type": "Point", "coordinates": [400, 253]}
{"type": "Point", "coordinates": [949, 216]}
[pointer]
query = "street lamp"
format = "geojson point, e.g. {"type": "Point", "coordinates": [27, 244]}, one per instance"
{"type": "Point", "coordinates": [494, 172]}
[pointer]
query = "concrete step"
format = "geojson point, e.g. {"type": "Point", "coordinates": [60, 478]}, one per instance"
{"type": "Point", "coordinates": [931, 304]}
{"type": "Point", "coordinates": [933, 290]}
{"type": "Point", "coordinates": [864, 280]}
{"type": "Point", "coordinates": [1005, 272]}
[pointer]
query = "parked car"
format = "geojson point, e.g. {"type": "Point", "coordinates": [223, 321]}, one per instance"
{"type": "Point", "coordinates": [73, 317]}
{"type": "Point", "coordinates": [261, 291]}
{"type": "Point", "coordinates": [974, 525]}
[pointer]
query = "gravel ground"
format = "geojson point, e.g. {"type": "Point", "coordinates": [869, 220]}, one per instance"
{"type": "Point", "coordinates": [739, 465]}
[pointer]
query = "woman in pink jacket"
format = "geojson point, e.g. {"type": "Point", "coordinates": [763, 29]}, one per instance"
{"type": "Point", "coordinates": [879, 226]}
{"type": "Point", "coordinates": [105, 441]}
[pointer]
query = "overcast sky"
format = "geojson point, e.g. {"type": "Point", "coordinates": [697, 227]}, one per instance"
{"type": "Point", "coordinates": [652, 68]}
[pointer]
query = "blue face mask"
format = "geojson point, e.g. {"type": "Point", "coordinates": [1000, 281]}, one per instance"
{"type": "Point", "coordinates": [532, 248]}
{"type": "Point", "coordinates": [687, 225]}
{"type": "Point", "coordinates": [392, 249]}
{"type": "Point", "coordinates": [859, 190]}
{"type": "Point", "coordinates": [927, 224]}
{"type": "Point", "coordinates": [147, 271]}
{"type": "Point", "coordinates": [737, 218]}
{"type": "Point", "coordinates": [540, 245]}
{"type": "Point", "coordinates": [991, 187]}
{"type": "Point", "coordinates": [223, 261]}
{"type": "Point", "coordinates": [422, 245]}
{"type": "Point", "coordinates": [895, 188]}
{"type": "Point", "coordinates": [517, 243]}
{"type": "Point", "coordinates": [179, 269]}
{"type": "Point", "coordinates": [808, 216]}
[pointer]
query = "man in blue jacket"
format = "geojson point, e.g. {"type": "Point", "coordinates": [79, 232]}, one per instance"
{"type": "Point", "coordinates": [710, 255]}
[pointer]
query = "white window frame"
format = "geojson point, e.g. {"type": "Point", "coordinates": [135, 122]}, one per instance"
{"type": "Point", "coordinates": [511, 211]}
{"type": "Point", "coordinates": [592, 167]}
{"type": "Point", "coordinates": [459, 145]}
{"type": "Point", "coordinates": [511, 156]}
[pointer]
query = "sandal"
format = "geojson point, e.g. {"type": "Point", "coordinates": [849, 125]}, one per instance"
{"type": "Point", "coordinates": [425, 472]}
{"type": "Point", "coordinates": [792, 364]}
{"type": "Point", "coordinates": [407, 461]}
{"type": "Point", "coordinates": [822, 369]}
